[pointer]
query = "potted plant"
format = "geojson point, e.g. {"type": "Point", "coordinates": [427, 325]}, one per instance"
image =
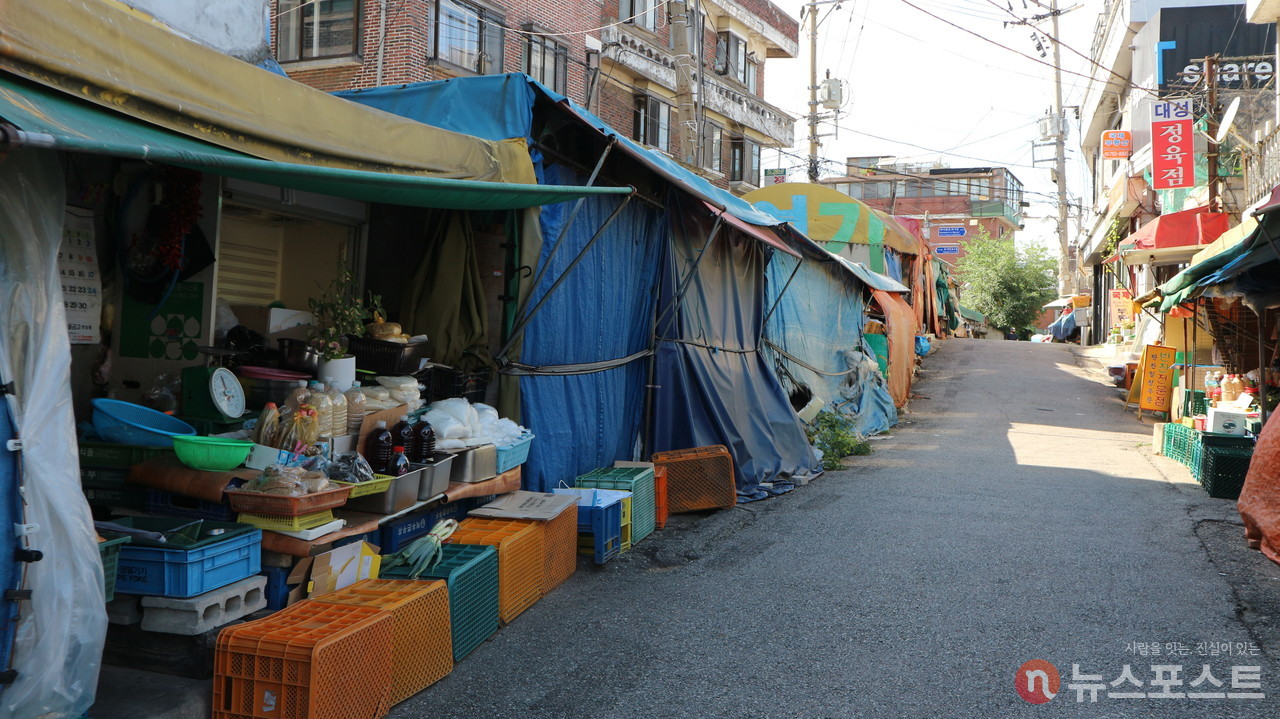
{"type": "Point", "coordinates": [339, 312]}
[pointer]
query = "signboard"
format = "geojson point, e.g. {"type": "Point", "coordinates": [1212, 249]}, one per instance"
{"type": "Point", "coordinates": [78, 273]}
{"type": "Point", "coordinates": [1187, 35]}
{"type": "Point", "coordinates": [947, 250]}
{"type": "Point", "coordinates": [1172, 156]}
{"type": "Point", "coordinates": [1121, 307]}
{"type": "Point", "coordinates": [1157, 378]}
{"type": "Point", "coordinates": [952, 231]}
{"type": "Point", "coordinates": [1117, 144]}
{"type": "Point", "coordinates": [775, 176]}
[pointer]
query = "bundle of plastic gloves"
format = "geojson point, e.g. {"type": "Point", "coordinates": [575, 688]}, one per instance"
{"type": "Point", "coordinates": [458, 424]}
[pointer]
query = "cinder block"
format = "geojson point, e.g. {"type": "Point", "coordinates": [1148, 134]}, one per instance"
{"type": "Point", "coordinates": [204, 612]}
{"type": "Point", "coordinates": [124, 609]}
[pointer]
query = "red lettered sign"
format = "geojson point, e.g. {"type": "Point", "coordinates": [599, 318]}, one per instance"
{"type": "Point", "coordinates": [1172, 145]}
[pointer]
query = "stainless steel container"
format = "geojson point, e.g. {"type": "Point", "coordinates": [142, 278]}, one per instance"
{"type": "Point", "coordinates": [402, 494]}
{"type": "Point", "coordinates": [435, 475]}
{"type": "Point", "coordinates": [475, 465]}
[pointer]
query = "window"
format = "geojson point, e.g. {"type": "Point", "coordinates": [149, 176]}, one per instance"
{"type": "Point", "coordinates": [751, 74]}
{"type": "Point", "coordinates": [652, 122]}
{"type": "Point", "coordinates": [712, 147]}
{"type": "Point", "coordinates": [731, 57]}
{"type": "Point", "coordinates": [324, 28]}
{"type": "Point", "coordinates": [640, 13]}
{"type": "Point", "coordinates": [468, 36]}
{"type": "Point", "coordinates": [744, 161]}
{"type": "Point", "coordinates": [547, 61]}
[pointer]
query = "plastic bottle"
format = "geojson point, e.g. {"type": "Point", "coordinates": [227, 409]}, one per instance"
{"type": "Point", "coordinates": [424, 443]}
{"type": "Point", "coordinates": [402, 431]}
{"type": "Point", "coordinates": [339, 400]}
{"type": "Point", "coordinates": [1211, 389]}
{"type": "Point", "coordinates": [399, 463]}
{"type": "Point", "coordinates": [1237, 387]}
{"type": "Point", "coordinates": [355, 408]}
{"type": "Point", "coordinates": [380, 447]}
{"type": "Point", "coordinates": [298, 396]}
{"type": "Point", "coordinates": [323, 406]}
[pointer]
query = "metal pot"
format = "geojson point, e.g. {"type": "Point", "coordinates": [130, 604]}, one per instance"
{"type": "Point", "coordinates": [299, 355]}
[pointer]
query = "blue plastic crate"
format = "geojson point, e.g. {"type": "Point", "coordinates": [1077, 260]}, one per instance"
{"type": "Point", "coordinates": [638, 481]}
{"type": "Point", "coordinates": [471, 571]}
{"type": "Point", "coordinates": [277, 591]}
{"type": "Point", "coordinates": [186, 572]}
{"type": "Point", "coordinates": [402, 530]}
{"type": "Point", "coordinates": [168, 504]}
{"type": "Point", "coordinates": [516, 454]}
{"type": "Point", "coordinates": [603, 523]}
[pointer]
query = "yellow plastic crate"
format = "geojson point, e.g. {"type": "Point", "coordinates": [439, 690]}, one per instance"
{"type": "Point", "coordinates": [281, 523]}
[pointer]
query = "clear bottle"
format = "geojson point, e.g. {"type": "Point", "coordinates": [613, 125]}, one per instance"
{"type": "Point", "coordinates": [298, 396]}
{"type": "Point", "coordinates": [399, 465]}
{"type": "Point", "coordinates": [355, 408]}
{"type": "Point", "coordinates": [424, 442]}
{"type": "Point", "coordinates": [379, 448]}
{"type": "Point", "coordinates": [402, 431]}
{"type": "Point", "coordinates": [323, 406]}
{"type": "Point", "coordinates": [339, 401]}
{"type": "Point", "coordinates": [1211, 389]}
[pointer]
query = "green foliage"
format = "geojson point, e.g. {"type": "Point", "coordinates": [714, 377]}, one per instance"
{"type": "Point", "coordinates": [834, 435]}
{"type": "Point", "coordinates": [1008, 284]}
{"type": "Point", "coordinates": [339, 312]}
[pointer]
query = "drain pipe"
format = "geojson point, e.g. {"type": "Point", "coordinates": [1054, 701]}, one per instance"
{"type": "Point", "coordinates": [382, 37]}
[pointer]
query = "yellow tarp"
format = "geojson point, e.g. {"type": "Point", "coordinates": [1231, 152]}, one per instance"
{"type": "Point", "coordinates": [831, 217]}
{"type": "Point", "coordinates": [109, 54]}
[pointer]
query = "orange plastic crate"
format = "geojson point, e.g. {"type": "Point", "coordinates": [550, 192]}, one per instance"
{"type": "Point", "coordinates": [660, 496]}
{"type": "Point", "coordinates": [422, 651]}
{"type": "Point", "coordinates": [312, 660]}
{"type": "Point", "coordinates": [697, 479]}
{"type": "Point", "coordinates": [559, 547]}
{"type": "Point", "coordinates": [520, 559]}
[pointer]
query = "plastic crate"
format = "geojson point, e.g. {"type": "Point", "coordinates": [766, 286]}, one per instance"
{"type": "Point", "coordinates": [639, 481]}
{"type": "Point", "coordinates": [520, 560]}
{"type": "Point", "coordinates": [109, 552]}
{"type": "Point", "coordinates": [277, 589]}
{"type": "Point", "coordinates": [382, 357]}
{"type": "Point", "coordinates": [1223, 470]}
{"type": "Point", "coordinates": [283, 523]}
{"type": "Point", "coordinates": [379, 484]}
{"type": "Point", "coordinates": [471, 571]}
{"type": "Point", "coordinates": [398, 532]}
{"type": "Point", "coordinates": [559, 546]}
{"type": "Point", "coordinates": [698, 479]}
{"type": "Point", "coordinates": [422, 648]}
{"type": "Point", "coordinates": [447, 382]}
{"type": "Point", "coordinates": [603, 524]}
{"type": "Point", "coordinates": [182, 568]}
{"type": "Point", "coordinates": [110, 455]}
{"type": "Point", "coordinates": [1195, 402]}
{"type": "Point", "coordinates": [514, 455]}
{"type": "Point", "coordinates": [660, 513]}
{"type": "Point", "coordinates": [169, 504]}
{"type": "Point", "coordinates": [313, 660]}
{"type": "Point", "coordinates": [108, 488]}
{"type": "Point", "coordinates": [280, 505]}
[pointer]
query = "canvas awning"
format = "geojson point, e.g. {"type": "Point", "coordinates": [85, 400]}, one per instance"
{"type": "Point", "coordinates": [66, 123]}
{"type": "Point", "coordinates": [1178, 229]}
{"type": "Point", "coordinates": [762, 234]}
{"type": "Point", "coordinates": [119, 58]}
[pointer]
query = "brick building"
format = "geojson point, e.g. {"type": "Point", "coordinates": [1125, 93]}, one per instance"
{"type": "Point", "coordinates": [615, 57]}
{"type": "Point", "coordinates": [954, 203]}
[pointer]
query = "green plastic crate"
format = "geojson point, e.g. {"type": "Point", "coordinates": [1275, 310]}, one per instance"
{"type": "Point", "coordinates": [108, 488]}
{"type": "Point", "coordinates": [1223, 470]}
{"type": "Point", "coordinates": [110, 553]}
{"type": "Point", "coordinates": [471, 571]}
{"type": "Point", "coordinates": [639, 482]}
{"type": "Point", "coordinates": [111, 455]}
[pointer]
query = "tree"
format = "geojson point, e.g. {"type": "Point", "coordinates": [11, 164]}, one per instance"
{"type": "Point", "coordinates": [1008, 284]}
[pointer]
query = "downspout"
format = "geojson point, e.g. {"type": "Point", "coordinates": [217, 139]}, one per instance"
{"type": "Point", "coordinates": [382, 38]}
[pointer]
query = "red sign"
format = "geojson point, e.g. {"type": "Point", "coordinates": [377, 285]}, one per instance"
{"type": "Point", "coordinates": [1172, 149]}
{"type": "Point", "coordinates": [1117, 144]}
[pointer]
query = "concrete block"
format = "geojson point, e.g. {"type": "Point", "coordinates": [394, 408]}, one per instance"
{"type": "Point", "coordinates": [124, 609]}
{"type": "Point", "coordinates": [204, 612]}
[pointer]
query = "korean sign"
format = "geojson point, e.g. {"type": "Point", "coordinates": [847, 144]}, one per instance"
{"type": "Point", "coordinates": [1172, 145]}
{"type": "Point", "coordinates": [1121, 307]}
{"type": "Point", "coordinates": [78, 272]}
{"type": "Point", "coordinates": [776, 176]}
{"type": "Point", "coordinates": [1117, 144]}
{"type": "Point", "coordinates": [1157, 378]}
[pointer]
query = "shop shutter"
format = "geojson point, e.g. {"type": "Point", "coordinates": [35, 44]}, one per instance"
{"type": "Point", "coordinates": [249, 269]}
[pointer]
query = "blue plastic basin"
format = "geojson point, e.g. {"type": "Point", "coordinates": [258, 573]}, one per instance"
{"type": "Point", "coordinates": [128, 423]}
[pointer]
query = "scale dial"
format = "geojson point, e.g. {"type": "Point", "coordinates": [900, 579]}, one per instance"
{"type": "Point", "coordinates": [227, 394]}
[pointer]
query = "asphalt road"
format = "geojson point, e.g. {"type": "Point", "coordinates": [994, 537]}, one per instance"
{"type": "Point", "coordinates": [1016, 514]}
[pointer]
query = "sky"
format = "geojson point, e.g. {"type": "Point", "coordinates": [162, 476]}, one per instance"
{"type": "Point", "coordinates": [923, 89]}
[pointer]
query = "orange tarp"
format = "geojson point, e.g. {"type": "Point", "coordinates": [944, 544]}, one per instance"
{"type": "Point", "coordinates": [900, 320]}
{"type": "Point", "coordinates": [1259, 503]}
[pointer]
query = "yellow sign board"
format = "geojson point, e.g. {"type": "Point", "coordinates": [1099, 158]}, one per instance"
{"type": "Point", "coordinates": [1157, 378]}
{"type": "Point", "coordinates": [832, 218]}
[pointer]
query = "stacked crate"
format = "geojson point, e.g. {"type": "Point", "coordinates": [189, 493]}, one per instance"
{"type": "Point", "coordinates": [698, 479]}
{"type": "Point", "coordinates": [559, 547]}
{"type": "Point", "coordinates": [520, 560]}
{"type": "Point", "coordinates": [640, 483]}
{"type": "Point", "coordinates": [471, 573]}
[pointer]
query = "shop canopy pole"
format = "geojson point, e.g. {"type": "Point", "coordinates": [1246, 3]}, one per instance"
{"type": "Point", "coordinates": [518, 329]}
{"type": "Point", "coordinates": [1188, 359]}
{"type": "Point", "coordinates": [1195, 342]}
{"type": "Point", "coordinates": [777, 301]}
{"type": "Point", "coordinates": [688, 278]}
{"type": "Point", "coordinates": [1262, 370]}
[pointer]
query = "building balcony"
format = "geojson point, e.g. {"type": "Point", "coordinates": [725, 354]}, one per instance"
{"type": "Point", "coordinates": [636, 52]}
{"type": "Point", "coordinates": [1262, 168]}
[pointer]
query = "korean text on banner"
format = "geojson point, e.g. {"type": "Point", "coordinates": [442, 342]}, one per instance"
{"type": "Point", "coordinates": [1121, 307]}
{"type": "Point", "coordinates": [1117, 144]}
{"type": "Point", "coordinates": [1157, 378]}
{"type": "Point", "coordinates": [1172, 145]}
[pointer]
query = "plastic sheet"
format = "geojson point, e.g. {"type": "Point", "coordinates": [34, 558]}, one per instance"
{"type": "Point", "coordinates": [58, 648]}
{"type": "Point", "coordinates": [901, 335]}
{"type": "Point", "coordinates": [1260, 497]}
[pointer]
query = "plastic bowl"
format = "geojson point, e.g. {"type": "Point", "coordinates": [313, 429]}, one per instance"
{"type": "Point", "coordinates": [214, 454]}
{"type": "Point", "coordinates": [128, 423]}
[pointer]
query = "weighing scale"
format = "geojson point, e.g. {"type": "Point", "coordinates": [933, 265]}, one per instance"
{"type": "Point", "coordinates": [212, 398]}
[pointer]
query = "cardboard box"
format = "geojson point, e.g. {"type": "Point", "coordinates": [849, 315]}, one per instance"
{"type": "Point", "coordinates": [1226, 421]}
{"type": "Point", "coordinates": [333, 570]}
{"type": "Point", "coordinates": [270, 320]}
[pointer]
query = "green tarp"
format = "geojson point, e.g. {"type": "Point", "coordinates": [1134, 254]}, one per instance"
{"type": "Point", "coordinates": [76, 126]}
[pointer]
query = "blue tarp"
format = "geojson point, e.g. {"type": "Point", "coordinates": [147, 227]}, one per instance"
{"type": "Point", "coordinates": [819, 321]}
{"type": "Point", "coordinates": [1064, 326]}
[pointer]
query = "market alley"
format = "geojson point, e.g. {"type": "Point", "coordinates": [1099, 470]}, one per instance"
{"type": "Point", "coordinates": [1015, 514]}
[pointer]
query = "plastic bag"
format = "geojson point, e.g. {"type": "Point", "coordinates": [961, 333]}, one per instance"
{"type": "Point", "coordinates": [446, 426]}
{"type": "Point", "coordinates": [394, 383]}
{"type": "Point", "coordinates": [350, 467]}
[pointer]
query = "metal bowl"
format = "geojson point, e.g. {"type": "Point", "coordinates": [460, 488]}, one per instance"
{"type": "Point", "coordinates": [299, 355]}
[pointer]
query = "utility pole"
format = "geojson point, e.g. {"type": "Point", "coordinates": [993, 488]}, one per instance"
{"type": "Point", "coordinates": [1067, 266]}
{"type": "Point", "coordinates": [686, 112]}
{"type": "Point", "coordinates": [812, 9]}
